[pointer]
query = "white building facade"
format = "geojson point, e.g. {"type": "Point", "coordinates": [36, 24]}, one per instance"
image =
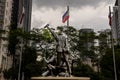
{"type": "Point", "coordinates": [5, 19]}
{"type": "Point", "coordinates": [116, 22]}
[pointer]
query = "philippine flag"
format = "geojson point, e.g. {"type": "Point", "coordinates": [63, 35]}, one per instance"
{"type": "Point", "coordinates": [65, 17]}
{"type": "Point", "coordinates": [22, 15]}
{"type": "Point", "coordinates": [110, 19]}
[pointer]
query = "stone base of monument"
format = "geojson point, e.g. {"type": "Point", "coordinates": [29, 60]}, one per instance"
{"type": "Point", "coordinates": [60, 78]}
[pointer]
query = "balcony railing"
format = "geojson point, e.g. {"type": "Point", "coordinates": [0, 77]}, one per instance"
{"type": "Point", "coordinates": [1, 4]}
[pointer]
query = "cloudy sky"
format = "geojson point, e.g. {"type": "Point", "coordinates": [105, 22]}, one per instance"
{"type": "Point", "coordinates": [83, 13]}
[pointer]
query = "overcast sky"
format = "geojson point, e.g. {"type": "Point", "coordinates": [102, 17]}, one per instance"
{"type": "Point", "coordinates": [83, 13]}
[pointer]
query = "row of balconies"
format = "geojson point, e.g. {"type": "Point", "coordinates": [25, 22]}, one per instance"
{"type": "Point", "coordinates": [2, 4]}
{"type": "Point", "coordinates": [1, 21]}
{"type": "Point", "coordinates": [2, 1]}
{"type": "Point", "coordinates": [1, 13]}
{"type": "Point", "coordinates": [2, 9]}
{"type": "Point", "coordinates": [1, 24]}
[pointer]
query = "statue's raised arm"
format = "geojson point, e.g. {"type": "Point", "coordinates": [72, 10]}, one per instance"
{"type": "Point", "coordinates": [53, 34]}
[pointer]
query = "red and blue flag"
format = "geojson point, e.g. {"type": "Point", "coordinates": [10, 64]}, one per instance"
{"type": "Point", "coordinates": [110, 19]}
{"type": "Point", "coordinates": [65, 17]}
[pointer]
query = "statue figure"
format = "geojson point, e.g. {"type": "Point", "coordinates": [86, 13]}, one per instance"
{"type": "Point", "coordinates": [63, 55]}
{"type": "Point", "coordinates": [50, 66]}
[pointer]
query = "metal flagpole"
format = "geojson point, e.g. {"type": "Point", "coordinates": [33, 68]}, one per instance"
{"type": "Point", "coordinates": [113, 50]}
{"type": "Point", "coordinates": [20, 62]}
{"type": "Point", "coordinates": [69, 16]}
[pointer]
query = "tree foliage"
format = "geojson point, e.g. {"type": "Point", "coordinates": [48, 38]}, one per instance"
{"type": "Point", "coordinates": [84, 70]}
{"type": "Point", "coordinates": [76, 44]}
{"type": "Point", "coordinates": [106, 64]}
{"type": "Point", "coordinates": [29, 65]}
{"type": "Point", "coordinates": [18, 37]}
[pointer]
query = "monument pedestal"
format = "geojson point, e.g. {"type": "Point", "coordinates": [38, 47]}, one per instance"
{"type": "Point", "coordinates": [60, 78]}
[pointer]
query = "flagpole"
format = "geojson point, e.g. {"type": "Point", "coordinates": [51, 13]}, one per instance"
{"type": "Point", "coordinates": [68, 18]}
{"type": "Point", "coordinates": [113, 50]}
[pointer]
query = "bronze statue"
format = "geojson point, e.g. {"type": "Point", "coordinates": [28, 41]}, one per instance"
{"type": "Point", "coordinates": [63, 55]}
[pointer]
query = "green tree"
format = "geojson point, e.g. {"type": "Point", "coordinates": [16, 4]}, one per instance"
{"type": "Point", "coordinates": [29, 61]}
{"type": "Point", "coordinates": [16, 38]}
{"type": "Point", "coordinates": [46, 35]}
{"type": "Point", "coordinates": [84, 71]}
{"type": "Point", "coordinates": [86, 44]}
{"type": "Point", "coordinates": [106, 64]}
{"type": "Point", "coordinates": [44, 46]}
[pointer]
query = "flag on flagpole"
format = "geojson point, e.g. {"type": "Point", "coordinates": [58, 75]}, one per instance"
{"type": "Point", "coordinates": [110, 18]}
{"type": "Point", "coordinates": [65, 17]}
{"type": "Point", "coordinates": [22, 15]}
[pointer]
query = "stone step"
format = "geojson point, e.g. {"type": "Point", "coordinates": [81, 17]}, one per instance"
{"type": "Point", "coordinates": [60, 78]}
